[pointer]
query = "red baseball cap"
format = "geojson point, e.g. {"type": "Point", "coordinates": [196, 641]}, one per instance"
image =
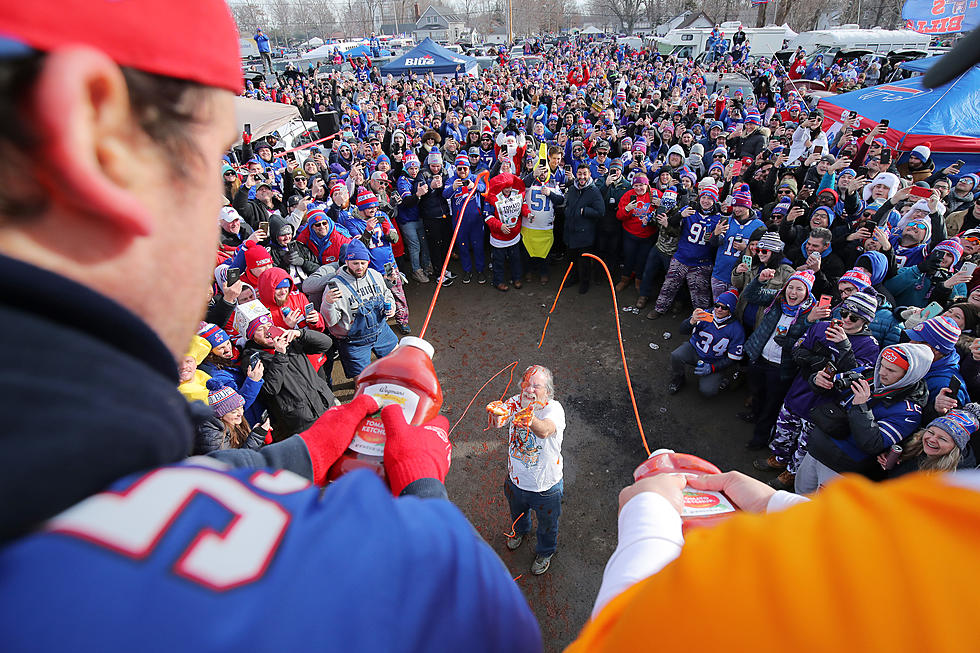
{"type": "Point", "coordinates": [134, 34]}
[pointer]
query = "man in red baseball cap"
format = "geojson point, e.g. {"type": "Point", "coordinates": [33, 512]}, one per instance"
{"type": "Point", "coordinates": [110, 131]}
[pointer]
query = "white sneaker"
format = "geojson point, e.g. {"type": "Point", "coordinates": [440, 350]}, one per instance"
{"type": "Point", "coordinates": [450, 275]}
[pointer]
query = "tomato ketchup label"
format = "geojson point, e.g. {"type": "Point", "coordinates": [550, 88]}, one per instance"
{"type": "Point", "coordinates": [370, 436]}
{"type": "Point", "coordinates": [702, 503]}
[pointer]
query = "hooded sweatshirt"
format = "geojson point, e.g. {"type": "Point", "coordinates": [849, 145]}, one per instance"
{"type": "Point", "coordinates": [892, 414]}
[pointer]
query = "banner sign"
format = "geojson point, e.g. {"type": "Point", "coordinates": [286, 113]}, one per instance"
{"type": "Point", "coordinates": [941, 16]}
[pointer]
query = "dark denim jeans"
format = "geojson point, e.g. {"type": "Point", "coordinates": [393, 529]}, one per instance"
{"type": "Point", "coordinates": [547, 507]}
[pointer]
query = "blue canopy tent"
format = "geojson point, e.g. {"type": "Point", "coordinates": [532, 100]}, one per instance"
{"type": "Point", "coordinates": [430, 57]}
{"type": "Point", "coordinates": [364, 51]}
{"type": "Point", "coordinates": [946, 118]}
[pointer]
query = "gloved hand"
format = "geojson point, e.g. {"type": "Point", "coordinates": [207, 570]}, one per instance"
{"type": "Point", "coordinates": [333, 431]}
{"type": "Point", "coordinates": [929, 266]}
{"type": "Point", "coordinates": [414, 452]}
{"type": "Point", "coordinates": [703, 369]}
{"type": "Point", "coordinates": [246, 138]}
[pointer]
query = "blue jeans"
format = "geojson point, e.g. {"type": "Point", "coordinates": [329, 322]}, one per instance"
{"type": "Point", "coordinates": [635, 251]}
{"type": "Point", "coordinates": [657, 261]}
{"type": "Point", "coordinates": [415, 243]}
{"type": "Point", "coordinates": [546, 505]}
{"type": "Point", "coordinates": [499, 256]}
{"type": "Point", "coordinates": [355, 358]}
{"type": "Point", "coordinates": [469, 243]}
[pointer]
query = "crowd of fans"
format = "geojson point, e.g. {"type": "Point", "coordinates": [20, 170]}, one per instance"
{"type": "Point", "coordinates": [834, 274]}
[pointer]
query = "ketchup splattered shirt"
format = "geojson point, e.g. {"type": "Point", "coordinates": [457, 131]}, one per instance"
{"type": "Point", "coordinates": [535, 464]}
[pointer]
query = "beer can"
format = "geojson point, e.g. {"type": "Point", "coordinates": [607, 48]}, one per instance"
{"type": "Point", "coordinates": [893, 455]}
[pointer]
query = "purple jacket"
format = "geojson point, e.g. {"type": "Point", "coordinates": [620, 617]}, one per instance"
{"type": "Point", "coordinates": [812, 353]}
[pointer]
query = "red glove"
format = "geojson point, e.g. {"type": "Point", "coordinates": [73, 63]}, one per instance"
{"type": "Point", "coordinates": [414, 452]}
{"type": "Point", "coordinates": [246, 138]}
{"type": "Point", "coordinates": [332, 433]}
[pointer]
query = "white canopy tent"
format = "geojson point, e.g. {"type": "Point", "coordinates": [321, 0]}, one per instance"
{"type": "Point", "coordinates": [264, 117]}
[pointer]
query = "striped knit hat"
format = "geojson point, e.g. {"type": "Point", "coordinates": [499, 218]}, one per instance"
{"type": "Point", "coordinates": [960, 423]}
{"type": "Point", "coordinates": [752, 116]}
{"type": "Point", "coordinates": [366, 199]}
{"type": "Point", "coordinates": [862, 304]}
{"type": "Point", "coordinates": [253, 326]}
{"type": "Point", "coordinates": [805, 277]}
{"type": "Point", "coordinates": [213, 334]}
{"type": "Point", "coordinates": [410, 160]}
{"type": "Point", "coordinates": [710, 191]}
{"type": "Point", "coordinates": [857, 277]}
{"type": "Point", "coordinates": [222, 398]}
{"type": "Point", "coordinates": [462, 160]}
{"type": "Point", "coordinates": [743, 197]}
{"type": "Point", "coordinates": [953, 247]}
{"type": "Point", "coordinates": [939, 332]}
{"type": "Point", "coordinates": [770, 241]}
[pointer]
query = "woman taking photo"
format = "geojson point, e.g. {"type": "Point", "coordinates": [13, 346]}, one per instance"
{"type": "Point", "coordinates": [769, 349]}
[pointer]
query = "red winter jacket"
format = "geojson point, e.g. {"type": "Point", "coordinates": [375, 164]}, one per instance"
{"type": "Point", "coordinates": [580, 78]}
{"type": "Point", "coordinates": [633, 220]}
{"type": "Point", "coordinates": [295, 301]}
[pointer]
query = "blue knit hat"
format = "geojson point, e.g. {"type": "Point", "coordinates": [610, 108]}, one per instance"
{"type": "Point", "coordinates": [877, 263]}
{"type": "Point", "coordinates": [213, 334]}
{"type": "Point", "coordinates": [960, 424]}
{"type": "Point", "coordinates": [729, 298]}
{"type": "Point", "coordinates": [940, 332]}
{"type": "Point", "coordinates": [356, 251]}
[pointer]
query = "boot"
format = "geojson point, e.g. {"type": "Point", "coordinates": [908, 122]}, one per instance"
{"type": "Point", "coordinates": [623, 282]}
{"type": "Point", "coordinates": [641, 301]}
{"type": "Point", "coordinates": [784, 481]}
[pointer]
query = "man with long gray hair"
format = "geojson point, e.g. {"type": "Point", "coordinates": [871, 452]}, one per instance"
{"type": "Point", "coordinates": [536, 423]}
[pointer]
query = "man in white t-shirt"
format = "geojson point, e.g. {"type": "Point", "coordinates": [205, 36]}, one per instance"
{"type": "Point", "coordinates": [534, 465]}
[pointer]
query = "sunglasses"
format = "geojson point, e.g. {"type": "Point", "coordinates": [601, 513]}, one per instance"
{"type": "Point", "coordinates": [784, 192]}
{"type": "Point", "coordinates": [849, 315]}
{"type": "Point", "coordinates": [763, 250]}
{"type": "Point", "coordinates": [721, 306]}
{"type": "Point", "coordinates": [916, 225]}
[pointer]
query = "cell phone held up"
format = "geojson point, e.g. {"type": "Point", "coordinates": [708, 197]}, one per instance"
{"type": "Point", "coordinates": [824, 301]}
{"type": "Point", "coordinates": [234, 274]}
{"type": "Point", "coordinates": [920, 192]}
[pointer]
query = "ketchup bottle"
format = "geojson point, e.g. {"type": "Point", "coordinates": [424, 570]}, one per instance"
{"type": "Point", "coordinates": [404, 377]}
{"type": "Point", "coordinates": [701, 507]}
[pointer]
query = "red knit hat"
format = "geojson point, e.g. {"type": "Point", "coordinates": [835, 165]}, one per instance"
{"type": "Point", "coordinates": [366, 199]}
{"type": "Point", "coordinates": [256, 256]}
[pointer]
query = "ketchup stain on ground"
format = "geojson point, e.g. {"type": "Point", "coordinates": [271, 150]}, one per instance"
{"type": "Point", "coordinates": [476, 331]}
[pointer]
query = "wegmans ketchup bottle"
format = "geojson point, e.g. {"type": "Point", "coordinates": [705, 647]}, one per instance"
{"type": "Point", "coordinates": [404, 377]}
{"type": "Point", "coordinates": [701, 507]}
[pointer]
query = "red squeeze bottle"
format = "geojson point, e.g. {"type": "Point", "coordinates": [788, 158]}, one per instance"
{"type": "Point", "coordinates": [404, 377]}
{"type": "Point", "coordinates": [701, 507]}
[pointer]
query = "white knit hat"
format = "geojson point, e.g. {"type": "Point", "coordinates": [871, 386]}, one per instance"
{"type": "Point", "coordinates": [922, 151]}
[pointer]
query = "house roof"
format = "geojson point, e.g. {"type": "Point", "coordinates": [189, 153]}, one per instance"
{"type": "Point", "coordinates": [448, 14]}
{"type": "Point", "coordinates": [692, 17]}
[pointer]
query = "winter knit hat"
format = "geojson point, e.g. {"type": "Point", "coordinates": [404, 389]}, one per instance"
{"type": "Point", "coordinates": [710, 191]}
{"type": "Point", "coordinates": [434, 156]}
{"type": "Point", "coordinates": [716, 166]}
{"type": "Point", "coordinates": [462, 160]}
{"type": "Point", "coordinates": [824, 209]}
{"type": "Point", "coordinates": [790, 184]}
{"type": "Point", "coordinates": [939, 332]}
{"type": "Point", "coordinates": [857, 277]}
{"type": "Point", "coordinates": [256, 256]}
{"type": "Point", "coordinates": [743, 197]}
{"type": "Point", "coordinates": [357, 251]}
{"type": "Point", "coordinates": [862, 304]}
{"type": "Point", "coordinates": [805, 277]}
{"type": "Point", "coordinates": [770, 241]}
{"type": "Point", "coordinates": [213, 334]}
{"type": "Point", "coordinates": [729, 298]}
{"type": "Point", "coordinates": [973, 178]}
{"type": "Point", "coordinates": [410, 160]}
{"type": "Point", "coordinates": [782, 208]}
{"type": "Point", "coordinates": [960, 423]}
{"type": "Point", "coordinates": [222, 398]}
{"type": "Point", "coordinates": [337, 186]}
{"type": "Point", "coordinates": [366, 199]}
{"type": "Point", "coordinates": [253, 326]}
{"type": "Point", "coordinates": [922, 151]}
{"type": "Point", "coordinates": [640, 178]}
{"type": "Point", "coordinates": [953, 247]}
{"type": "Point", "coordinates": [752, 116]}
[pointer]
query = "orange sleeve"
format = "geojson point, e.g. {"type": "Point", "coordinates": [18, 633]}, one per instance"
{"type": "Point", "coordinates": [864, 567]}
